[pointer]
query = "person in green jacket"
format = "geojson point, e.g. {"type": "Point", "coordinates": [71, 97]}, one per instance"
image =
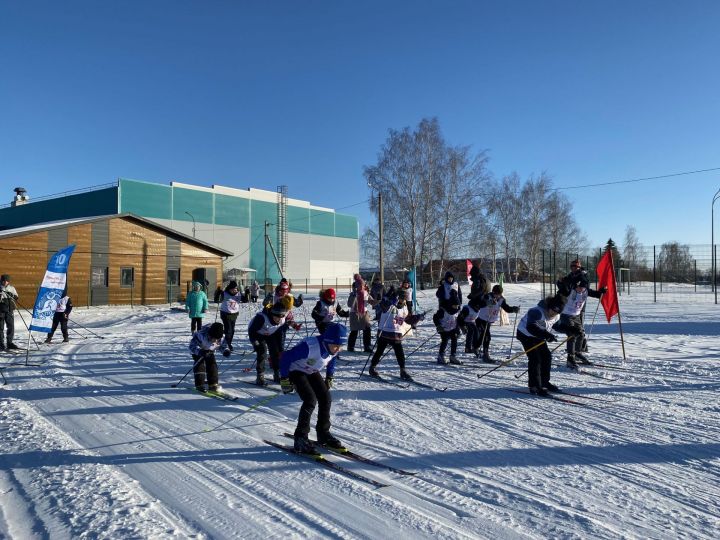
{"type": "Point", "coordinates": [196, 305]}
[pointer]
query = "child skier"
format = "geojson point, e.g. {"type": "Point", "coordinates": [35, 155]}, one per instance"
{"type": "Point", "coordinates": [265, 333]}
{"type": "Point", "coordinates": [393, 326]}
{"type": "Point", "coordinates": [300, 371]}
{"type": "Point", "coordinates": [446, 322]}
{"type": "Point", "coordinates": [467, 318]}
{"type": "Point", "coordinates": [446, 287]}
{"type": "Point", "coordinates": [325, 310]}
{"type": "Point", "coordinates": [491, 304]}
{"type": "Point", "coordinates": [61, 316]}
{"type": "Point", "coordinates": [229, 310]}
{"type": "Point", "coordinates": [196, 305]}
{"type": "Point", "coordinates": [359, 303]}
{"type": "Point", "coordinates": [203, 345]}
{"type": "Point", "coordinates": [534, 333]}
{"type": "Point", "coordinates": [283, 291]}
{"type": "Point", "coordinates": [571, 323]}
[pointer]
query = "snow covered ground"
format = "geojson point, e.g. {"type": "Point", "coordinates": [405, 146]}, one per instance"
{"type": "Point", "coordinates": [96, 444]}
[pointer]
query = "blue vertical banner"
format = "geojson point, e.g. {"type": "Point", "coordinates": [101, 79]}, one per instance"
{"type": "Point", "coordinates": [51, 290]}
{"type": "Point", "coordinates": [413, 284]}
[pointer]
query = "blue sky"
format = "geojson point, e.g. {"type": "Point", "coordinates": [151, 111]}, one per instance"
{"type": "Point", "coordinates": [302, 93]}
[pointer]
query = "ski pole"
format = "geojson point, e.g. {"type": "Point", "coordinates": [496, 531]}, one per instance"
{"type": "Point", "coordinates": [384, 352]}
{"type": "Point", "coordinates": [234, 363]}
{"type": "Point", "coordinates": [416, 349]}
{"type": "Point", "coordinates": [251, 408]}
{"type": "Point", "coordinates": [85, 328]}
{"type": "Point", "coordinates": [513, 333]}
{"type": "Point", "coordinates": [555, 349]}
{"type": "Point", "coordinates": [17, 308]}
{"type": "Point", "coordinates": [506, 362]}
{"type": "Point", "coordinates": [587, 335]}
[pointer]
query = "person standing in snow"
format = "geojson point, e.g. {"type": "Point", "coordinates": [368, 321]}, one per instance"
{"type": "Point", "coordinates": [300, 371]}
{"type": "Point", "coordinates": [229, 310]}
{"type": "Point", "coordinates": [393, 326]}
{"type": "Point", "coordinates": [406, 289]}
{"type": "Point", "coordinates": [489, 313]}
{"type": "Point", "coordinates": [60, 317]}
{"type": "Point", "coordinates": [204, 343]}
{"type": "Point", "coordinates": [571, 324]}
{"type": "Point", "coordinates": [447, 286]}
{"type": "Point", "coordinates": [359, 303]}
{"type": "Point", "coordinates": [565, 286]}
{"type": "Point", "coordinates": [325, 310]}
{"type": "Point", "coordinates": [480, 285]}
{"type": "Point", "coordinates": [377, 292]}
{"type": "Point", "coordinates": [446, 322]}
{"type": "Point", "coordinates": [196, 304]}
{"type": "Point", "coordinates": [254, 291]}
{"type": "Point", "coordinates": [467, 319]}
{"type": "Point", "coordinates": [265, 334]}
{"type": "Point", "coordinates": [8, 303]}
{"type": "Point", "coordinates": [534, 334]}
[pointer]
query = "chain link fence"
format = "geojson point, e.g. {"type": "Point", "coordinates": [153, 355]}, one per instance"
{"type": "Point", "coordinates": [670, 272]}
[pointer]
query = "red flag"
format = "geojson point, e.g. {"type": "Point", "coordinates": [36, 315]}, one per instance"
{"type": "Point", "coordinates": [468, 267]}
{"type": "Point", "coordinates": [606, 278]}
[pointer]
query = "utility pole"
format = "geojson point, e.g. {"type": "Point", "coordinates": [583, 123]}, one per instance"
{"type": "Point", "coordinates": [380, 228]}
{"type": "Point", "coordinates": [266, 266]}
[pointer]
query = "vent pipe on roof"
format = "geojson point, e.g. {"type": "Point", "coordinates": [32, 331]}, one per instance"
{"type": "Point", "coordinates": [21, 197]}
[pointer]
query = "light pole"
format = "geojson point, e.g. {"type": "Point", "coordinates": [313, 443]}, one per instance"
{"type": "Point", "coordinates": [380, 231]}
{"type": "Point", "coordinates": [712, 242]}
{"type": "Point", "coordinates": [191, 217]}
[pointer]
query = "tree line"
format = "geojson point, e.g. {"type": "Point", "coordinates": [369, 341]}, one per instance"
{"type": "Point", "coordinates": [442, 202]}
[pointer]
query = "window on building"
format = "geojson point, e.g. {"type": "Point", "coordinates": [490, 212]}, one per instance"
{"type": "Point", "coordinates": [99, 276]}
{"type": "Point", "coordinates": [173, 276]}
{"type": "Point", "coordinates": [127, 277]}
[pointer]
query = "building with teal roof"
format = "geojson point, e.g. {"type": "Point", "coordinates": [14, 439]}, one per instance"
{"type": "Point", "coordinates": [308, 242]}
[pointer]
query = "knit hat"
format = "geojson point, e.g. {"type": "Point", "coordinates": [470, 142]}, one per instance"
{"type": "Point", "coordinates": [497, 289]}
{"type": "Point", "coordinates": [5, 277]}
{"type": "Point", "coordinates": [216, 330]}
{"type": "Point", "coordinates": [231, 285]}
{"type": "Point", "coordinates": [281, 307]}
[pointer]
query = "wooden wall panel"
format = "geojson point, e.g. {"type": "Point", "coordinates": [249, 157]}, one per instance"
{"type": "Point", "coordinates": [79, 269]}
{"type": "Point", "coordinates": [133, 244]}
{"type": "Point", "coordinates": [25, 258]}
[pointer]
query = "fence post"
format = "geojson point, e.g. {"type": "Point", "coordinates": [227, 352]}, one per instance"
{"type": "Point", "coordinates": [695, 261]}
{"type": "Point", "coordinates": [89, 293]}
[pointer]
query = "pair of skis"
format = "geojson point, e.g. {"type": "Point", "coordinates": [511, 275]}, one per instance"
{"type": "Point", "coordinates": [320, 459]}
{"type": "Point", "coordinates": [404, 383]}
{"type": "Point", "coordinates": [561, 396]}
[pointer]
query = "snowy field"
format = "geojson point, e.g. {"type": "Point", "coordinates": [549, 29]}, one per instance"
{"type": "Point", "coordinates": [96, 444]}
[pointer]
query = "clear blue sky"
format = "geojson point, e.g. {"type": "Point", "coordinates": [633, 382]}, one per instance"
{"type": "Point", "coordinates": [303, 92]}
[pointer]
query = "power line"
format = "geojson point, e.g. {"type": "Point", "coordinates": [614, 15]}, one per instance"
{"type": "Point", "coordinates": [637, 179]}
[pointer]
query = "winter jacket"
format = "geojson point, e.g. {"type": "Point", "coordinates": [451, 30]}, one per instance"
{"type": "Point", "coordinates": [392, 323]}
{"type": "Point", "coordinates": [201, 342]}
{"type": "Point", "coordinates": [65, 306]}
{"type": "Point", "coordinates": [576, 301]}
{"type": "Point", "coordinates": [490, 310]}
{"type": "Point", "coordinates": [262, 326]}
{"type": "Point", "coordinates": [308, 356]}
{"type": "Point", "coordinates": [230, 303]}
{"type": "Point", "coordinates": [196, 303]}
{"type": "Point", "coordinates": [536, 324]}
{"type": "Point", "coordinates": [8, 298]}
{"type": "Point", "coordinates": [325, 313]}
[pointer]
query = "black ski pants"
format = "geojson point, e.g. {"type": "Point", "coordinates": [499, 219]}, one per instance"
{"type": "Point", "coordinates": [312, 390]}
{"type": "Point", "coordinates": [484, 336]}
{"type": "Point", "coordinates": [59, 319]}
{"type": "Point", "coordinates": [572, 327]}
{"type": "Point", "coordinates": [382, 344]}
{"type": "Point", "coordinates": [228, 320]}
{"type": "Point", "coordinates": [472, 339]}
{"type": "Point", "coordinates": [195, 324]}
{"type": "Point", "coordinates": [269, 346]}
{"type": "Point", "coordinates": [7, 318]}
{"type": "Point", "coordinates": [205, 366]}
{"type": "Point", "coordinates": [444, 338]}
{"type": "Point", "coordinates": [367, 338]}
{"type": "Point", "coordinates": [539, 360]}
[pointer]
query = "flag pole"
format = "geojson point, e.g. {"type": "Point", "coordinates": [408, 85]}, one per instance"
{"type": "Point", "coordinates": [622, 338]}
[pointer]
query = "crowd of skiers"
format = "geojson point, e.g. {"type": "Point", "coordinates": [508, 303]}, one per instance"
{"type": "Point", "coordinates": [298, 368]}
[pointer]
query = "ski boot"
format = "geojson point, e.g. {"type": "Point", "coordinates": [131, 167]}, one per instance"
{"type": "Point", "coordinates": [486, 357]}
{"type": "Point", "coordinates": [48, 339]}
{"type": "Point", "coordinates": [538, 391]}
{"type": "Point", "coordinates": [330, 441]}
{"type": "Point", "coordinates": [571, 363]}
{"type": "Point", "coordinates": [276, 376]}
{"type": "Point", "coordinates": [550, 387]}
{"type": "Point", "coordinates": [454, 360]}
{"type": "Point", "coordinates": [260, 380]}
{"type": "Point", "coordinates": [214, 388]}
{"type": "Point", "coordinates": [405, 376]}
{"type": "Point", "coordinates": [373, 372]}
{"type": "Point", "coordinates": [582, 359]}
{"type": "Point", "coordinates": [200, 383]}
{"type": "Point", "coordinates": [441, 359]}
{"type": "Point", "coordinates": [303, 445]}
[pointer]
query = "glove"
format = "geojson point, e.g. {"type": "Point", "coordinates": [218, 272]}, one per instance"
{"type": "Point", "coordinates": [551, 338]}
{"type": "Point", "coordinates": [515, 309]}
{"type": "Point", "coordinates": [299, 298]}
{"type": "Point", "coordinates": [328, 382]}
{"type": "Point", "coordinates": [226, 353]}
{"type": "Point", "coordinates": [439, 329]}
{"type": "Point", "coordinates": [603, 290]}
{"type": "Point", "coordinates": [255, 344]}
{"type": "Point", "coordinates": [463, 330]}
{"type": "Point", "coordinates": [287, 386]}
{"type": "Point", "coordinates": [296, 326]}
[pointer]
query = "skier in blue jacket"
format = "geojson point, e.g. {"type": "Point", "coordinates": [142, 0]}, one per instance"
{"type": "Point", "coordinates": [300, 371]}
